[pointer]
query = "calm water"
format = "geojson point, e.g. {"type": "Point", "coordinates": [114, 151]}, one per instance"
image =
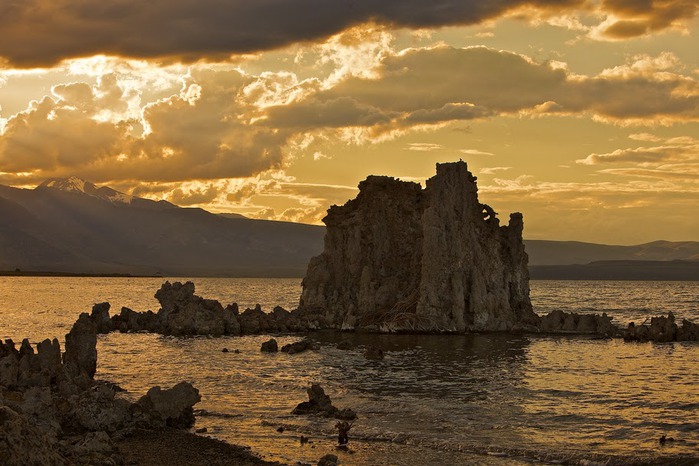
{"type": "Point", "coordinates": [432, 400]}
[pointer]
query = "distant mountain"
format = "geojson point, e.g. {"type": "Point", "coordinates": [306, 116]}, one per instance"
{"type": "Point", "coordinates": [72, 225]}
{"type": "Point", "coordinates": [619, 270]}
{"type": "Point", "coordinates": [542, 252]}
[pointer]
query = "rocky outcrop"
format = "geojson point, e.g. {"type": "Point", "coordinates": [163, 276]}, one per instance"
{"type": "Point", "coordinates": [171, 408]}
{"type": "Point", "coordinates": [184, 313]}
{"type": "Point", "coordinates": [403, 258]}
{"type": "Point", "coordinates": [320, 404]}
{"type": "Point", "coordinates": [270, 346]}
{"type": "Point", "coordinates": [80, 358]}
{"type": "Point", "coordinates": [566, 322]}
{"type": "Point", "coordinates": [300, 346]}
{"type": "Point", "coordinates": [22, 442]}
{"type": "Point", "coordinates": [662, 329]}
{"type": "Point", "coordinates": [52, 411]}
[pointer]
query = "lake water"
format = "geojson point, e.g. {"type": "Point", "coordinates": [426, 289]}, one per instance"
{"type": "Point", "coordinates": [459, 399]}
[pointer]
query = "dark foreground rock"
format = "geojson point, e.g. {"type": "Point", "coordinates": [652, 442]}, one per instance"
{"type": "Point", "coordinates": [53, 412]}
{"type": "Point", "coordinates": [320, 404]}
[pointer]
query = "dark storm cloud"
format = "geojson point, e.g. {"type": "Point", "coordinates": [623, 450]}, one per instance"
{"type": "Point", "coordinates": [43, 32]}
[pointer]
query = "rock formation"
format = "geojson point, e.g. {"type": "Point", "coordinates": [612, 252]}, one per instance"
{"type": "Point", "coordinates": [564, 322]}
{"type": "Point", "coordinates": [270, 346]}
{"type": "Point", "coordinates": [662, 329]}
{"type": "Point", "coordinates": [52, 411]}
{"type": "Point", "coordinates": [320, 403]}
{"type": "Point", "coordinates": [403, 258]}
{"type": "Point", "coordinates": [184, 313]}
{"type": "Point", "coordinates": [80, 357]}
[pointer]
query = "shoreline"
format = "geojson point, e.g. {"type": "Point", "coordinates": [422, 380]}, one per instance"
{"type": "Point", "coordinates": [173, 447]}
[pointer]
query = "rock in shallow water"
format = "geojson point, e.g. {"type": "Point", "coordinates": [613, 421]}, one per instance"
{"type": "Point", "coordinates": [320, 404]}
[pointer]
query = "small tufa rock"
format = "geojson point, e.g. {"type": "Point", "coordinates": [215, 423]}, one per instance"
{"type": "Point", "coordinates": [270, 346]}
{"type": "Point", "coordinates": [171, 407]}
{"type": "Point", "coordinates": [320, 403]}
{"type": "Point", "coordinates": [300, 346]}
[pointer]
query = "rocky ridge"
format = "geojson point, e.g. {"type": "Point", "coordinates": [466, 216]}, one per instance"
{"type": "Point", "coordinates": [184, 313]}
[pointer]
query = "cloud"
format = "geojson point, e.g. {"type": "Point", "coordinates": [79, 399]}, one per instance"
{"type": "Point", "coordinates": [103, 132]}
{"type": "Point", "coordinates": [680, 172]}
{"type": "Point", "coordinates": [474, 152]}
{"type": "Point", "coordinates": [493, 170]}
{"type": "Point", "coordinates": [432, 86]}
{"type": "Point", "coordinates": [677, 149]}
{"type": "Point", "coordinates": [629, 18]}
{"type": "Point", "coordinates": [44, 32]}
{"type": "Point", "coordinates": [424, 146]}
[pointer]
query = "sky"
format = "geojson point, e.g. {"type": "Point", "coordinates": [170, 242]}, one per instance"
{"type": "Point", "coordinates": [581, 114]}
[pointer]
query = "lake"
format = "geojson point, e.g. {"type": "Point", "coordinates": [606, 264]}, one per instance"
{"type": "Point", "coordinates": [451, 399]}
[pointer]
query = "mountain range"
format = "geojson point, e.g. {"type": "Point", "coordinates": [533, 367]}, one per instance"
{"type": "Point", "coordinates": [71, 225]}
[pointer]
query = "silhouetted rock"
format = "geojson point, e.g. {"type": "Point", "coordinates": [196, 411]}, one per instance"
{"type": "Point", "coordinates": [172, 407]}
{"type": "Point", "coordinates": [300, 346]}
{"type": "Point", "coordinates": [184, 313]}
{"type": "Point", "coordinates": [100, 317]}
{"type": "Point", "coordinates": [319, 403]}
{"type": "Point", "coordinates": [270, 346]}
{"type": "Point", "coordinates": [662, 329]}
{"type": "Point", "coordinates": [566, 322]}
{"type": "Point", "coordinates": [403, 258]}
{"type": "Point", "coordinates": [81, 348]}
{"type": "Point", "coordinates": [58, 414]}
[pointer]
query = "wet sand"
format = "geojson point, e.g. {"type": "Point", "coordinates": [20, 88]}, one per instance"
{"type": "Point", "coordinates": [179, 448]}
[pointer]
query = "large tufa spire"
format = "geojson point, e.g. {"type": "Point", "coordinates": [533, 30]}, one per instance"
{"type": "Point", "coordinates": [403, 258]}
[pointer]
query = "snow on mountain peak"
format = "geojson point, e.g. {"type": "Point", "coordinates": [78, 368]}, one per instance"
{"type": "Point", "coordinates": [74, 184]}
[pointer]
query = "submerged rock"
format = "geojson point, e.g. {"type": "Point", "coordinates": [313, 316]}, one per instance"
{"type": "Point", "coordinates": [300, 346]}
{"type": "Point", "coordinates": [403, 258]}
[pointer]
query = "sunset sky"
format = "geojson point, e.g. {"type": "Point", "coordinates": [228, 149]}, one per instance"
{"type": "Point", "coordinates": [583, 115]}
